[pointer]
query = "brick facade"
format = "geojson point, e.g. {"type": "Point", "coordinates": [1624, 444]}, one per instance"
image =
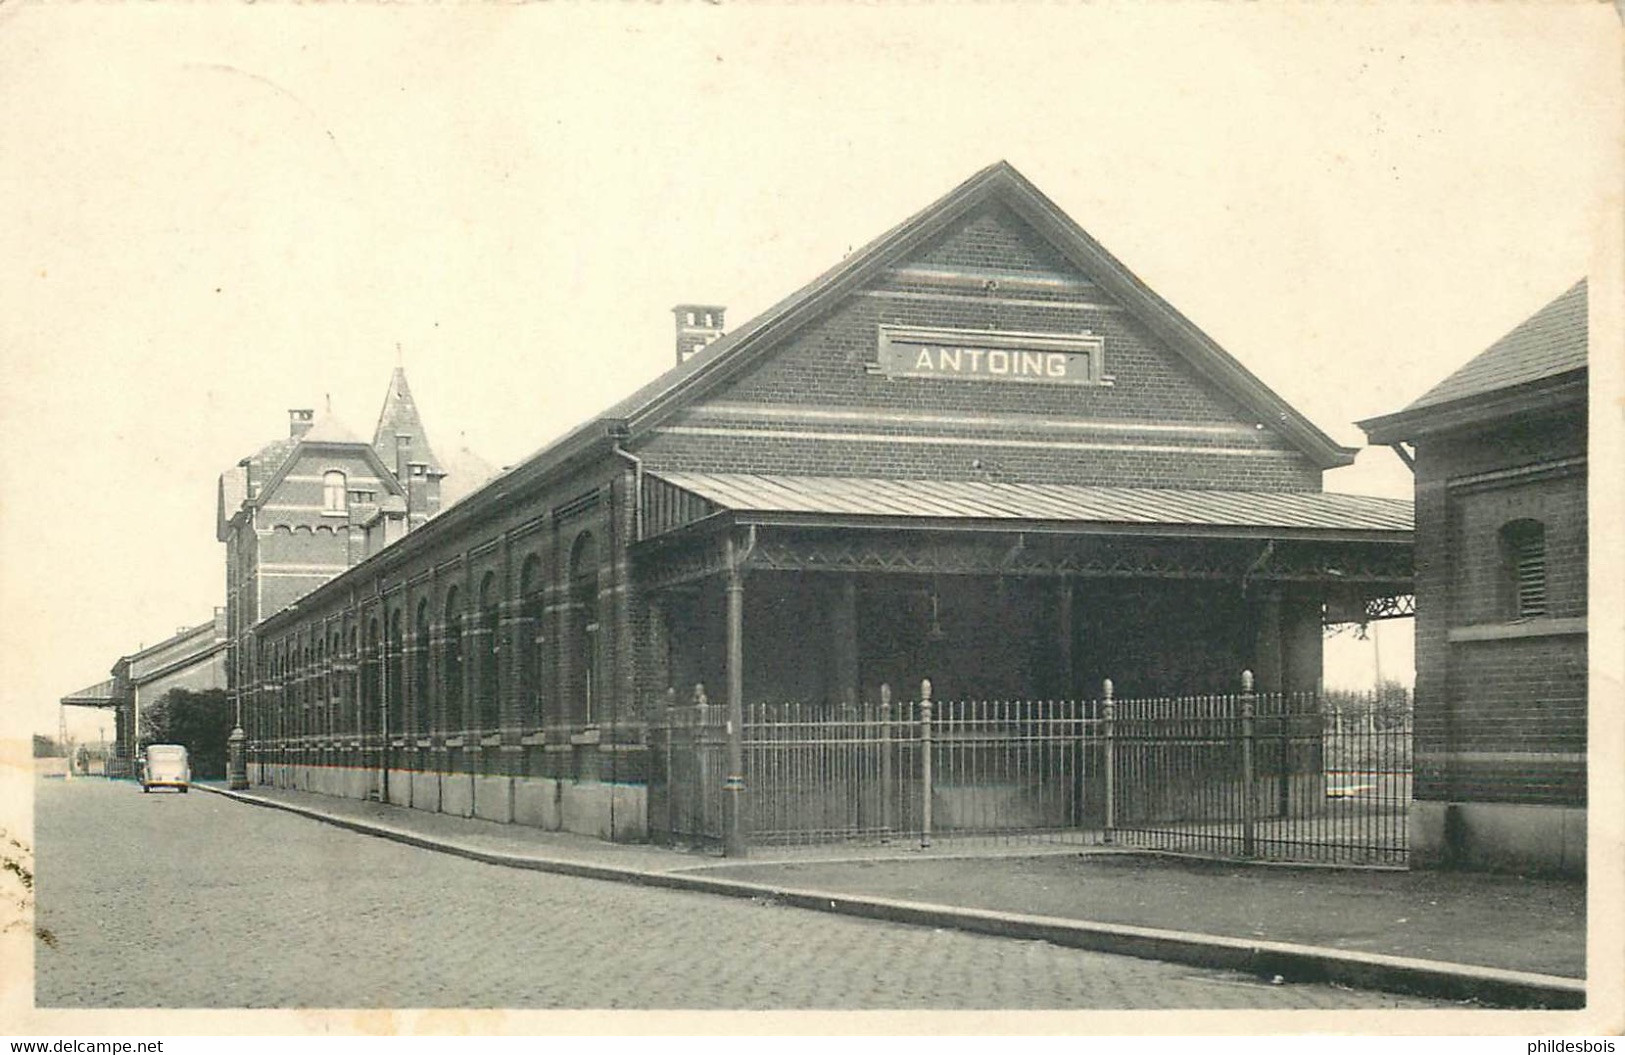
{"type": "Point", "coordinates": [538, 623]}
{"type": "Point", "coordinates": [1501, 690]}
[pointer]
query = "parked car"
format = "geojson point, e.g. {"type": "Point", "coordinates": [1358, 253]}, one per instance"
{"type": "Point", "coordinates": [165, 766]}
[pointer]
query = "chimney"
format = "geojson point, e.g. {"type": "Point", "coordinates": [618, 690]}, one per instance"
{"type": "Point", "coordinates": [247, 466]}
{"type": "Point", "coordinates": [417, 493]}
{"type": "Point", "coordinates": [299, 422]}
{"type": "Point", "coordinates": [403, 475]}
{"type": "Point", "coordinates": [697, 326]}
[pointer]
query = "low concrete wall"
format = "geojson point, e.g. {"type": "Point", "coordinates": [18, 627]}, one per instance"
{"type": "Point", "coordinates": [426, 792]}
{"type": "Point", "coordinates": [493, 798]}
{"type": "Point", "coordinates": [536, 803]}
{"type": "Point", "coordinates": [400, 787]}
{"type": "Point", "coordinates": [457, 794]}
{"type": "Point", "coordinates": [359, 783]}
{"type": "Point", "coordinates": [1499, 837]}
{"type": "Point", "coordinates": [616, 812]}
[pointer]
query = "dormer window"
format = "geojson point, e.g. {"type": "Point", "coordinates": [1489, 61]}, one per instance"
{"type": "Point", "coordinates": [334, 491]}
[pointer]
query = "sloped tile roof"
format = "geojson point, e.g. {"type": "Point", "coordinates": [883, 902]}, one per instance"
{"type": "Point", "coordinates": [399, 416]}
{"type": "Point", "coordinates": [465, 473]}
{"type": "Point", "coordinates": [1552, 341]}
{"type": "Point", "coordinates": [329, 429]}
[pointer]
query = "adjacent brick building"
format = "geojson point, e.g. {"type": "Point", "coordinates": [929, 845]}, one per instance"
{"type": "Point", "coordinates": [303, 508]}
{"type": "Point", "coordinates": [192, 658]}
{"type": "Point", "coordinates": [1500, 464]}
{"type": "Point", "coordinates": [978, 450]}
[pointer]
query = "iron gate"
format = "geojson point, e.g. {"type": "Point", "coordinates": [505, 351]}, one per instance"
{"type": "Point", "coordinates": [1283, 777]}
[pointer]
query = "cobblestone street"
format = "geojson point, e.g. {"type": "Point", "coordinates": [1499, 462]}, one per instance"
{"type": "Point", "coordinates": [170, 900]}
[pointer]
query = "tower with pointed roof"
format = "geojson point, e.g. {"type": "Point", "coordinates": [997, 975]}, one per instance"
{"type": "Point", "coordinates": [402, 443]}
{"type": "Point", "coordinates": [303, 508]}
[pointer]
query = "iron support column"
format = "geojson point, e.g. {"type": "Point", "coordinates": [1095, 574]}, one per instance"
{"type": "Point", "coordinates": [734, 786]}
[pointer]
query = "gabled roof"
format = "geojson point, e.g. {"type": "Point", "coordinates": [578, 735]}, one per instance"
{"type": "Point", "coordinates": [329, 429]}
{"type": "Point", "coordinates": [1541, 360]}
{"type": "Point", "coordinates": [260, 466]}
{"type": "Point", "coordinates": [727, 356]}
{"type": "Point", "coordinates": [1551, 341]}
{"type": "Point", "coordinates": [399, 417]}
{"type": "Point", "coordinates": [267, 466]}
{"type": "Point", "coordinates": [730, 354]}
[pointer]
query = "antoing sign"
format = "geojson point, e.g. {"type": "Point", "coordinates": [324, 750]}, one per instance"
{"type": "Point", "coordinates": [1048, 358]}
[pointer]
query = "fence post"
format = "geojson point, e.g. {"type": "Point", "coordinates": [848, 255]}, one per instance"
{"type": "Point", "coordinates": [1108, 714]}
{"type": "Point", "coordinates": [700, 744]}
{"type": "Point", "coordinates": [669, 720]}
{"type": "Point", "coordinates": [1247, 806]}
{"type": "Point", "coordinates": [885, 763]}
{"type": "Point", "coordinates": [925, 762]}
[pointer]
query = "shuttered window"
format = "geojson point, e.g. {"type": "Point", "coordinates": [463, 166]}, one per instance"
{"type": "Point", "coordinates": [1524, 555]}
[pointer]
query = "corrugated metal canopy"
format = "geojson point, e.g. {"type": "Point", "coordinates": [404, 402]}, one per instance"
{"type": "Point", "coordinates": [100, 694]}
{"type": "Point", "coordinates": [976, 500]}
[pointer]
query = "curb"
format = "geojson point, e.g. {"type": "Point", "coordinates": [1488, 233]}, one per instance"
{"type": "Point", "coordinates": [1296, 963]}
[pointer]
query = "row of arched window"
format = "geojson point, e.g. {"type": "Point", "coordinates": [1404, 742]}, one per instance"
{"type": "Point", "coordinates": [443, 672]}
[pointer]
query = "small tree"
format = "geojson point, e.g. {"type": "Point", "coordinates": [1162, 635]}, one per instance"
{"type": "Point", "coordinates": [198, 721]}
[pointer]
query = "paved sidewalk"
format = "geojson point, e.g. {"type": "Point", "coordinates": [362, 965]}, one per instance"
{"type": "Point", "coordinates": [1484, 924]}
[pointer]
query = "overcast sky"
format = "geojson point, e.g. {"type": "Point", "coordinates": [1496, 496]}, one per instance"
{"type": "Point", "coordinates": [209, 215]}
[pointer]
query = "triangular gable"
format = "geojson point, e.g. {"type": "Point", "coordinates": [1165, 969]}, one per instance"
{"type": "Point", "coordinates": [385, 475]}
{"type": "Point", "coordinates": [726, 358]}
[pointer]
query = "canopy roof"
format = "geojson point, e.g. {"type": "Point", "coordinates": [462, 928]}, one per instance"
{"type": "Point", "coordinates": [1153, 510]}
{"type": "Point", "coordinates": [101, 694]}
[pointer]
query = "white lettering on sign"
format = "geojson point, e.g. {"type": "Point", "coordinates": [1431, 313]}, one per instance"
{"type": "Point", "coordinates": [939, 360]}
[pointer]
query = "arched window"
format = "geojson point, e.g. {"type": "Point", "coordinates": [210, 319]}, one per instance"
{"type": "Point", "coordinates": [372, 682]}
{"type": "Point", "coordinates": [335, 680]}
{"type": "Point", "coordinates": [285, 711]}
{"type": "Point", "coordinates": [530, 640]}
{"type": "Point", "coordinates": [335, 494]}
{"type": "Point", "coordinates": [583, 642]}
{"type": "Point", "coordinates": [394, 704]}
{"type": "Point", "coordinates": [318, 685]}
{"type": "Point", "coordinates": [1523, 569]}
{"type": "Point", "coordinates": [489, 642]}
{"type": "Point", "coordinates": [451, 669]}
{"type": "Point", "coordinates": [352, 713]}
{"type": "Point", "coordinates": [422, 705]}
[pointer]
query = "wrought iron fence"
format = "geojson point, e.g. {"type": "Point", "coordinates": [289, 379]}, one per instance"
{"type": "Point", "coordinates": [1285, 777]}
{"type": "Point", "coordinates": [1290, 777]}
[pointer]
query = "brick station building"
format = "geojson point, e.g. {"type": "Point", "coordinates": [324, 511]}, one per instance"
{"type": "Point", "coordinates": [1500, 464]}
{"type": "Point", "coordinates": [978, 450]}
